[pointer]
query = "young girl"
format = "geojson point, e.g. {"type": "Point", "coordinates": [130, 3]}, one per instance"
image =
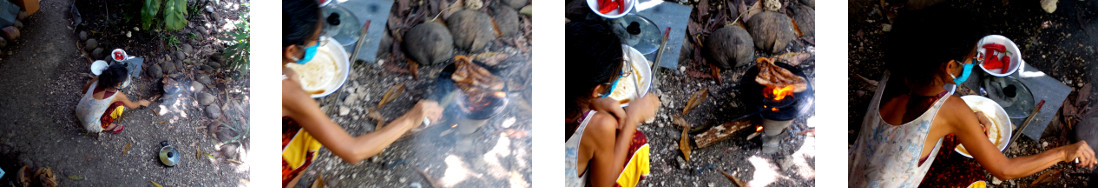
{"type": "Point", "coordinates": [103, 102]}
{"type": "Point", "coordinates": [603, 147]}
{"type": "Point", "coordinates": [305, 128]}
{"type": "Point", "coordinates": [927, 54]}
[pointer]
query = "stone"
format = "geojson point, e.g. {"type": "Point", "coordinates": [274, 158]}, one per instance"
{"type": "Point", "coordinates": [169, 68]}
{"type": "Point", "coordinates": [730, 46]}
{"type": "Point", "coordinates": [771, 5]}
{"type": "Point", "coordinates": [214, 64]}
{"type": "Point", "coordinates": [3, 42]}
{"type": "Point", "coordinates": [197, 87]}
{"type": "Point", "coordinates": [805, 17]}
{"type": "Point", "coordinates": [507, 21]}
{"type": "Point", "coordinates": [180, 55]}
{"type": "Point", "coordinates": [1049, 5]}
{"type": "Point", "coordinates": [206, 68]}
{"type": "Point", "coordinates": [204, 79]}
{"type": "Point", "coordinates": [83, 35]}
{"type": "Point", "coordinates": [343, 110]}
{"type": "Point", "coordinates": [22, 15]}
{"type": "Point", "coordinates": [472, 30]}
{"type": "Point", "coordinates": [18, 24]}
{"type": "Point", "coordinates": [98, 52]}
{"type": "Point", "coordinates": [515, 4]}
{"type": "Point", "coordinates": [810, 3]}
{"type": "Point", "coordinates": [213, 111]}
{"type": "Point", "coordinates": [90, 44]}
{"type": "Point", "coordinates": [205, 98]}
{"type": "Point", "coordinates": [428, 43]}
{"type": "Point", "coordinates": [10, 32]}
{"type": "Point", "coordinates": [154, 71]}
{"type": "Point", "coordinates": [771, 31]}
{"type": "Point", "coordinates": [187, 49]}
{"type": "Point", "coordinates": [474, 4]}
{"type": "Point", "coordinates": [224, 133]}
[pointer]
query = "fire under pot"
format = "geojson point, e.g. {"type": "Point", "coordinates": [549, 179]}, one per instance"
{"type": "Point", "coordinates": [476, 110]}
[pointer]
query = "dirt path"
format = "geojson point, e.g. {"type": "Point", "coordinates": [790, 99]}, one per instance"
{"type": "Point", "coordinates": [42, 79]}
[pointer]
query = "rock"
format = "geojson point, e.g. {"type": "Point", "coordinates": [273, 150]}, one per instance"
{"type": "Point", "coordinates": [205, 98]}
{"type": "Point", "coordinates": [515, 4]}
{"type": "Point", "coordinates": [204, 79]}
{"type": "Point", "coordinates": [169, 67]}
{"type": "Point", "coordinates": [806, 19]}
{"type": "Point", "coordinates": [730, 46]}
{"type": "Point", "coordinates": [98, 52]}
{"type": "Point", "coordinates": [472, 30]}
{"type": "Point", "coordinates": [10, 32]}
{"type": "Point", "coordinates": [187, 49]}
{"type": "Point", "coordinates": [1049, 5]}
{"type": "Point", "coordinates": [18, 24]}
{"type": "Point", "coordinates": [154, 71]}
{"type": "Point", "coordinates": [214, 64]}
{"type": "Point", "coordinates": [771, 5]}
{"type": "Point", "coordinates": [223, 133]}
{"type": "Point", "coordinates": [83, 35]}
{"type": "Point", "coordinates": [682, 163]}
{"type": "Point", "coordinates": [206, 68]}
{"type": "Point", "coordinates": [474, 4]}
{"type": "Point", "coordinates": [180, 55]}
{"type": "Point", "coordinates": [428, 43]}
{"type": "Point", "coordinates": [213, 111]}
{"type": "Point", "coordinates": [771, 31]}
{"type": "Point", "coordinates": [3, 43]}
{"type": "Point", "coordinates": [90, 44]}
{"type": "Point", "coordinates": [343, 110]}
{"type": "Point", "coordinates": [229, 150]}
{"type": "Point", "coordinates": [507, 21]}
{"type": "Point", "coordinates": [197, 87]}
{"type": "Point", "coordinates": [810, 3]}
{"type": "Point", "coordinates": [22, 15]}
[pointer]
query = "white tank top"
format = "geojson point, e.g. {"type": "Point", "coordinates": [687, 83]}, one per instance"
{"type": "Point", "coordinates": [887, 155]}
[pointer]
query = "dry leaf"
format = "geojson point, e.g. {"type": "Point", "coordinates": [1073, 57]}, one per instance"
{"type": "Point", "coordinates": [155, 184]}
{"type": "Point", "coordinates": [734, 180]}
{"type": "Point", "coordinates": [695, 100]}
{"type": "Point", "coordinates": [391, 95]}
{"type": "Point", "coordinates": [126, 149]}
{"type": "Point", "coordinates": [1050, 176]}
{"type": "Point", "coordinates": [716, 71]}
{"type": "Point", "coordinates": [491, 58]}
{"type": "Point", "coordinates": [413, 67]}
{"type": "Point", "coordinates": [794, 58]}
{"type": "Point", "coordinates": [698, 74]}
{"type": "Point", "coordinates": [319, 183]}
{"type": "Point", "coordinates": [684, 144]}
{"type": "Point", "coordinates": [677, 120]}
{"type": "Point", "coordinates": [77, 178]}
{"type": "Point", "coordinates": [703, 9]}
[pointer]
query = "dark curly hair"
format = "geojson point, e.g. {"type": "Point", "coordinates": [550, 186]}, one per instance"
{"type": "Point", "coordinates": [299, 21]}
{"type": "Point", "coordinates": [922, 41]}
{"type": "Point", "coordinates": [111, 77]}
{"type": "Point", "coordinates": [593, 56]}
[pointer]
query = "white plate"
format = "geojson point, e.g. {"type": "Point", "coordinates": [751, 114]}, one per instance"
{"type": "Point", "coordinates": [1012, 51]}
{"type": "Point", "coordinates": [594, 5]}
{"type": "Point", "coordinates": [998, 117]}
{"type": "Point", "coordinates": [641, 67]}
{"type": "Point", "coordinates": [342, 63]}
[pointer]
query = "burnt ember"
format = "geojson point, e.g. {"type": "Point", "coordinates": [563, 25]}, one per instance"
{"type": "Point", "coordinates": [778, 103]}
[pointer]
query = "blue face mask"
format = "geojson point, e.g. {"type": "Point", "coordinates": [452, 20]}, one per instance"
{"type": "Point", "coordinates": [309, 53]}
{"type": "Point", "coordinates": [964, 74]}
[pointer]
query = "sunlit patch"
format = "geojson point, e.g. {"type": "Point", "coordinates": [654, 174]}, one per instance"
{"type": "Point", "coordinates": [456, 171]}
{"type": "Point", "coordinates": [517, 180]}
{"type": "Point", "coordinates": [765, 174]}
{"type": "Point", "coordinates": [800, 158]}
{"type": "Point", "coordinates": [501, 150]}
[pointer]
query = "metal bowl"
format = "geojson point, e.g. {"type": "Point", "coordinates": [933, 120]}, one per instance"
{"type": "Point", "coordinates": [999, 119]}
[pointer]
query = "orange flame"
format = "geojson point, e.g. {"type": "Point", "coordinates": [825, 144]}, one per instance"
{"type": "Point", "coordinates": [780, 93]}
{"type": "Point", "coordinates": [774, 109]}
{"type": "Point", "coordinates": [758, 128]}
{"type": "Point", "coordinates": [454, 126]}
{"type": "Point", "coordinates": [500, 94]}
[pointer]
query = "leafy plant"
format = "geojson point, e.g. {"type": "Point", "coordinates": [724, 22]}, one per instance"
{"type": "Point", "coordinates": [173, 13]}
{"type": "Point", "coordinates": [237, 53]}
{"type": "Point", "coordinates": [148, 13]}
{"type": "Point", "coordinates": [172, 41]}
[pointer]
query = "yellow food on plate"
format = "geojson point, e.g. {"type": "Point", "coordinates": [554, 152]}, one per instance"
{"type": "Point", "coordinates": [626, 89]}
{"type": "Point", "coordinates": [319, 74]}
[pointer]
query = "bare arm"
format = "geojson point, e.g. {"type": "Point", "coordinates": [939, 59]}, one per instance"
{"type": "Point", "coordinates": [129, 104]}
{"type": "Point", "coordinates": [613, 155]}
{"type": "Point", "coordinates": [298, 105]}
{"type": "Point", "coordinates": [975, 141]}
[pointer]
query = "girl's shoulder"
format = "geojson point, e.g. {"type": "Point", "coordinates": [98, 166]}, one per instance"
{"type": "Point", "coordinates": [602, 125]}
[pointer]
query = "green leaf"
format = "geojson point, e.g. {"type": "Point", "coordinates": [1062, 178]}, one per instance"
{"type": "Point", "coordinates": [175, 15]}
{"type": "Point", "coordinates": [148, 13]}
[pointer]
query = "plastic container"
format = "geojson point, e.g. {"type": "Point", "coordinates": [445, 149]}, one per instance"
{"type": "Point", "coordinates": [1012, 51]}
{"type": "Point", "coordinates": [614, 14]}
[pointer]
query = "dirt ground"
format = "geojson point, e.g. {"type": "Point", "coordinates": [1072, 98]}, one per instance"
{"type": "Point", "coordinates": [45, 74]}
{"type": "Point", "coordinates": [1062, 44]}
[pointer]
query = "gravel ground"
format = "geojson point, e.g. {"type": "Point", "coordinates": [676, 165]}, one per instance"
{"type": "Point", "coordinates": [1059, 43]}
{"type": "Point", "coordinates": [45, 74]}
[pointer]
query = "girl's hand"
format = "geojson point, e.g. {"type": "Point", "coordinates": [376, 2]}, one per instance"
{"type": "Point", "coordinates": [985, 123]}
{"type": "Point", "coordinates": [644, 108]}
{"type": "Point", "coordinates": [144, 102]}
{"type": "Point", "coordinates": [611, 106]}
{"type": "Point", "coordinates": [428, 109]}
{"type": "Point", "coordinates": [1079, 150]}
